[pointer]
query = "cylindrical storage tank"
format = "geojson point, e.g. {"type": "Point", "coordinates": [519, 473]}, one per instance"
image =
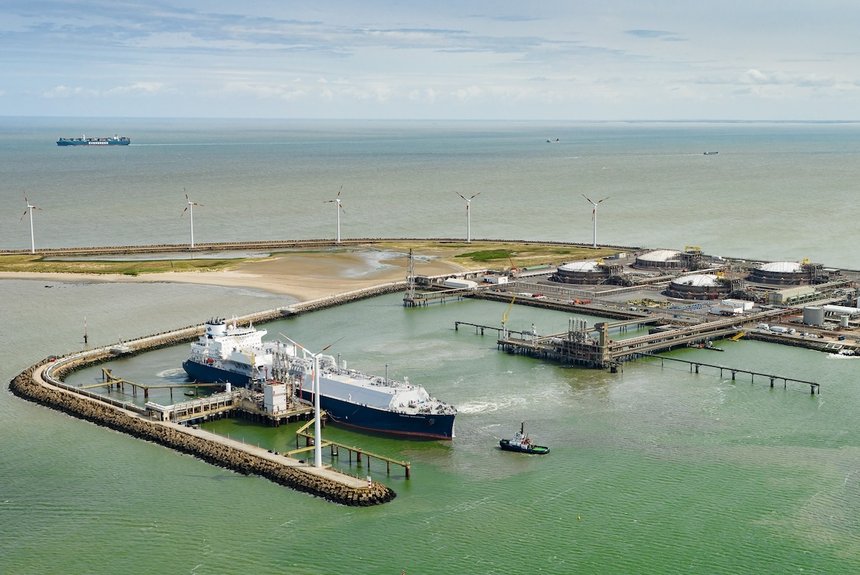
{"type": "Point", "coordinates": [813, 315]}
{"type": "Point", "coordinates": [843, 320]}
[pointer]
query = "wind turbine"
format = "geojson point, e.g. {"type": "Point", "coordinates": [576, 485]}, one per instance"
{"type": "Point", "coordinates": [190, 209]}
{"type": "Point", "coordinates": [29, 210]}
{"type": "Point", "coordinates": [468, 214]}
{"type": "Point", "coordinates": [336, 200]}
{"type": "Point", "coordinates": [316, 392]}
{"type": "Point", "coordinates": [594, 218]}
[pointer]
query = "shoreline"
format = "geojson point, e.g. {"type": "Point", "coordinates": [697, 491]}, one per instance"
{"type": "Point", "coordinates": [303, 276]}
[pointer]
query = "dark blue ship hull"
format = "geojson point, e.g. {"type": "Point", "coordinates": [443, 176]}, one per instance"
{"type": "Point", "coordinates": [208, 374]}
{"type": "Point", "coordinates": [113, 141]}
{"type": "Point", "coordinates": [426, 426]}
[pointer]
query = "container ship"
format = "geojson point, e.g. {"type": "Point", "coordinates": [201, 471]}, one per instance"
{"type": "Point", "coordinates": [84, 141]}
{"type": "Point", "coordinates": [230, 353]}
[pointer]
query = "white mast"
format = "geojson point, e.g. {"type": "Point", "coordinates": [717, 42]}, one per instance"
{"type": "Point", "coordinates": [317, 425]}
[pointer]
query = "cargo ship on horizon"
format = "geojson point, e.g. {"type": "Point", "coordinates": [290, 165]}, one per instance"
{"type": "Point", "coordinates": [84, 141]}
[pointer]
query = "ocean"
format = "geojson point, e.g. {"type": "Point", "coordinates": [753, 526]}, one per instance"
{"type": "Point", "coordinates": [653, 469]}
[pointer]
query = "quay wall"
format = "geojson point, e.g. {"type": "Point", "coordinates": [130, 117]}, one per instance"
{"type": "Point", "coordinates": [42, 384]}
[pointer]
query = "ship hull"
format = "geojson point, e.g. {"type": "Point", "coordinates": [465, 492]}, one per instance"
{"type": "Point", "coordinates": [424, 426]}
{"type": "Point", "coordinates": [209, 374]}
{"type": "Point", "coordinates": [93, 142]}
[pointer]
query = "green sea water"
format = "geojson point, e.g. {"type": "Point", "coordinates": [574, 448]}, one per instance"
{"type": "Point", "coordinates": [652, 470]}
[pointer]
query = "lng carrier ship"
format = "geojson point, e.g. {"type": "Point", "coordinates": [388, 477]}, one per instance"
{"type": "Point", "coordinates": [84, 141]}
{"type": "Point", "coordinates": [227, 352]}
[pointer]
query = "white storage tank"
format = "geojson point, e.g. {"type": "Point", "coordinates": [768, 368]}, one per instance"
{"type": "Point", "coordinates": [813, 315]}
{"type": "Point", "coordinates": [843, 320]}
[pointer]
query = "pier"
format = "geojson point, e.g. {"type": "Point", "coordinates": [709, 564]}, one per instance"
{"type": "Point", "coordinates": [423, 298]}
{"type": "Point", "coordinates": [110, 381]}
{"type": "Point", "coordinates": [593, 347]}
{"type": "Point", "coordinates": [695, 365]}
{"type": "Point", "coordinates": [335, 447]}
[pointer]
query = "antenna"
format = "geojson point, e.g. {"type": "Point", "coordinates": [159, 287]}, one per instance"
{"type": "Point", "coordinates": [594, 218]}
{"type": "Point", "coordinates": [29, 210]}
{"type": "Point", "coordinates": [189, 207]}
{"type": "Point", "coordinates": [468, 214]}
{"type": "Point", "coordinates": [336, 200]}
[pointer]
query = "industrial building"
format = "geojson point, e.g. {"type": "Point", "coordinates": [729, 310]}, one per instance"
{"type": "Point", "coordinates": [659, 259]}
{"type": "Point", "coordinates": [587, 272]}
{"type": "Point", "coordinates": [698, 286]}
{"type": "Point", "coordinates": [786, 273]}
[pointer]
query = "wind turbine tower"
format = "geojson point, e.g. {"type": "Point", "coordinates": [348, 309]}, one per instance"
{"type": "Point", "coordinates": [468, 214]}
{"type": "Point", "coordinates": [594, 218]}
{"type": "Point", "coordinates": [189, 207]}
{"type": "Point", "coordinates": [315, 357]}
{"type": "Point", "coordinates": [317, 426]}
{"type": "Point", "coordinates": [29, 211]}
{"type": "Point", "coordinates": [336, 201]}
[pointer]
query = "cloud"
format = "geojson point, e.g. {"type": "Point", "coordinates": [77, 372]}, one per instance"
{"type": "Point", "coordinates": [656, 34]}
{"type": "Point", "coordinates": [63, 91]}
{"type": "Point", "coordinates": [753, 76]}
{"type": "Point", "coordinates": [266, 90]}
{"type": "Point", "coordinates": [136, 88]}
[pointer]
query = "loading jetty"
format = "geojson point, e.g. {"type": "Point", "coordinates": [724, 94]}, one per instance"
{"type": "Point", "coordinates": [593, 347]}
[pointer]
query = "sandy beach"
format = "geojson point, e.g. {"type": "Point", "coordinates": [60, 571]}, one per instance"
{"type": "Point", "coordinates": [302, 275]}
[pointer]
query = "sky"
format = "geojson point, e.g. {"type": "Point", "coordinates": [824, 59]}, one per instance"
{"type": "Point", "coordinates": [590, 60]}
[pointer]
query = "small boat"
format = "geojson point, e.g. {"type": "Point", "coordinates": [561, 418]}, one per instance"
{"type": "Point", "coordinates": [711, 153]}
{"type": "Point", "coordinates": [521, 443]}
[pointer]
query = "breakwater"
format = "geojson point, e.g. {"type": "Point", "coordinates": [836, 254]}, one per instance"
{"type": "Point", "coordinates": [27, 386]}
{"type": "Point", "coordinates": [42, 383]}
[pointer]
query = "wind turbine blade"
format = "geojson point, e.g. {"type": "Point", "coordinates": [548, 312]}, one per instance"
{"type": "Point", "coordinates": [332, 343]}
{"type": "Point", "coordinates": [604, 199]}
{"type": "Point", "coordinates": [587, 198]}
{"type": "Point", "coordinates": [22, 215]}
{"type": "Point", "coordinates": [339, 191]}
{"type": "Point", "coordinates": [474, 196]}
{"type": "Point", "coordinates": [183, 211]}
{"type": "Point", "coordinates": [462, 196]}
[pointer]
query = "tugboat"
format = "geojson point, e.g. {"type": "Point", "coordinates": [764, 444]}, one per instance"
{"type": "Point", "coordinates": [521, 443]}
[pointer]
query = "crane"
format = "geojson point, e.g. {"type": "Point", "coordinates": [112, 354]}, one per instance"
{"type": "Point", "coordinates": [505, 318]}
